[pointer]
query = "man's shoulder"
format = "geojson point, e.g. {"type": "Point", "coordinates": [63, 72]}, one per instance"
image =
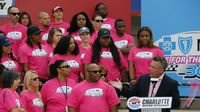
{"type": "Point", "coordinates": [169, 79]}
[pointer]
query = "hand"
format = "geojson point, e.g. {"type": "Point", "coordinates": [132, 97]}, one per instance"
{"type": "Point", "coordinates": [133, 82]}
{"type": "Point", "coordinates": [117, 84]}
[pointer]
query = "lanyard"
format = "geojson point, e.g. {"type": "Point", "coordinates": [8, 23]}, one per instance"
{"type": "Point", "coordinates": [65, 93]}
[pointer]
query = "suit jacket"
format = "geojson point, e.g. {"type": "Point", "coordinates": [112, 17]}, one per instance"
{"type": "Point", "coordinates": [167, 88]}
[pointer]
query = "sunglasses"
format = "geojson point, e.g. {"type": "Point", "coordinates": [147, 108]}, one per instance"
{"type": "Point", "coordinates": [65, 66]}
{"type": "Point", "coordinates": [96, 71]}
{"type": "Point", "coordinates": [36, 78]}
{"type": "Point", "coordinates": [103, 75]}
{"type": "Point", "coordinates": [15, 13]}
{"type": "Point", "coordinates": [98, 21]}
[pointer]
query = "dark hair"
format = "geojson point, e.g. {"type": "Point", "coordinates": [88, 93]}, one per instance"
{"type": "Point", "coordinates": [51, 33]}
{"type": "Point", "coordinates": [97, 5]}
{"type": "Point", "coordinates": [74, 27]}
{"type": "Point", "coordinates": [63, 45]}
{"type": "Point", "coordinates": [2, 69]}
{"type": "Point", "coordinates": [162, 60]}
{"type": "Point", "coordinates": [8, 10]}
{"type": "Point", "coordinates": [8, 78]}
{"type": "Point", "coordinates": [145, 28]}
{"type": "Point", "coordinates": [29, 40]}
{"type": "Point", "coordinates": [118, 20]}
{"type": "Point", "coordinates": [11, 56]}
{"type": "Point", "coordinates": [2, 32]}
{"type": "Point", "coordinates": [53, 68]}
{"type": "Point", "coordinates": [95, 15]}
{"type": "Point", "coordinates": [29, 18]}
{"type": "Point", "coordinates": [96, 52]}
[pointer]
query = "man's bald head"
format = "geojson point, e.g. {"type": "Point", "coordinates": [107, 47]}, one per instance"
{"type": "Point", "coordinates": [44, 19]}
{"type": "Point", "coordinates": [93, 73]}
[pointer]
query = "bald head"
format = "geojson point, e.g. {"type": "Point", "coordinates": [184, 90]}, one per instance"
{"type": "Point", "coordinates": [93, 73]}
{"type": "Point", "coordinates": [44, 19]}
{"type": "Point", "coordinates": [92, 66]}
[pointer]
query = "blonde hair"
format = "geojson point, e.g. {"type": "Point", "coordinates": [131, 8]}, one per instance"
{"type": "Point", "coordinates": [28, 76]}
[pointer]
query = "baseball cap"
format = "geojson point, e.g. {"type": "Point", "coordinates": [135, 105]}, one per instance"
{"type": "Point", "coordinates": [33, 30]}
{"type": "Point", "coordinates": [4, 41]}
{"type": "Point", "coordinates": [103, 32]}
{"type": "Point", "coordinates": [57, 7]}
{"type": "Point", "coordinates": [84, 30]}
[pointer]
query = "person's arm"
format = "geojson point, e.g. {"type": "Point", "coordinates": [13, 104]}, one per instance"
{"type": "Point", "coordinates": [124, 74]}
{"type": "Point", "coordinates": [25, 67]}
{"type": "Point", "coordinates": [17, 110]}
{"type": "Point", "coordinates": [131, 72]}
{"type": "Point", "coordinates": [126, 50]}
{"type": "Point", "coordinates": [114, 109]}
{"type": "Point", "coordinates": [44, 108]}
{"type": "Point", "coordinates": [85, 70]}
{"type": "Point", "coordinates": [71, 109]}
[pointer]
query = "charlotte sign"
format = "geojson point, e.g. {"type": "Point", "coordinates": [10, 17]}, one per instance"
{"type": "Point", "coordinates": [4, 4]}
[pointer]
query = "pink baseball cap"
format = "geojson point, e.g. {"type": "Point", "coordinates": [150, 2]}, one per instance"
{"type": "Point", "coordinates": [57, 7]}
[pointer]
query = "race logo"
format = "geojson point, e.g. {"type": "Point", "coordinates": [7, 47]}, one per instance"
{"type": "Point", "coordinates": [4, 4]}
{"type": "Point", "coordinates": [133, 103]}
{"type": "Point", "coordinates": [95, 92]}
{"type": "Point", "coordinates": [185, 44]}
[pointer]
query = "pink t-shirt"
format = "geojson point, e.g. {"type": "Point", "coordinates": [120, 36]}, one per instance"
{"type": "Point", "coordinates": [109, 23]}
{"type": "Point", "coordinates": [49, 49]}
{"type": "Point", "coordinates": [93, 97]}
{"type": "Point", "coordinates": [142, 58]}
{"type": "Point", "coordinates": [106, 59]}
{"type": "Point", "coordinates": [44, 34]}
{"type": "Point", "coordinates": [54, 94]}
{"type": "Point", "coordinates": [123, 42]}
{"type": "Point", "coordinates": [10, 64]}
{"type": "Point", "coordinates": [82, 51]}
{"type": "Point", "coordinates": [73, 61]}
{"type": "Point", "coordinates": [93, 37]}
{"type": "Point", "coordinates": [9, 99]}
{"type": "Point", "coordinates": [62, 26]}
{"type": "Point", "coordinates": [31, 101]}
{"type": "Point", "coordinates": [16, 35]}
{"type": "Point", "coordinates": [37, 59]}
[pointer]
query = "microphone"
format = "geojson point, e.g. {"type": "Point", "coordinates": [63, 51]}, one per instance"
{"type": "Point", "coordinates": [154, 81]}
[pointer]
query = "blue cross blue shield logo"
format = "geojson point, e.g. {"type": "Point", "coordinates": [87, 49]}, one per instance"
{"type": "Point", "coordinates": [185, 44]}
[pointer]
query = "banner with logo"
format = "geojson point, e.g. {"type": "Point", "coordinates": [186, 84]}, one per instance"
{"type": "Point", "coordinates": [4, 4]}
{"type": "Point", "coordinates": [176, 29]}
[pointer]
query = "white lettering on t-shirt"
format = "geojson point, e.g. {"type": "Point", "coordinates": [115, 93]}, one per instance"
{"type": "Point", "coordinates": [15, 35]}
{"type": "Point", "coordinates": [106, 54]}
{"type": "Point", "coordinates": [9, 64]}
{"type": "Point", "coordinates": [82, 55]}
{"type": "Point", "coordinates": [77, 38]}
{"type": "Point", "coordinates": [107, 26]}
{"type": "Point", "coordinates": [144, 54]}
{"type": "Point", "coordinates": [45, 36]}
{"type": "Point", "coordinates": [39, 52]}
{"type": "Point", "coordinates": [96, 92]}
{"type": "Point", "coordinates": [121, 44]}
{"type": "Point", "coordinates": [37, 102]}
{"type": "Point", "coordinates": [72, 63]}
{"type": "Point", "coordinates": [18, 103]}
{"type": "Point", "coordinates": [63, 89]}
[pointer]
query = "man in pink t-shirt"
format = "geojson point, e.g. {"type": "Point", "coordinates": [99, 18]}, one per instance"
{"type": "Point", "coordinates": [15, 31]}
{"type": "Point", "coordinates": [44, 25]}
{"type": "Point", "coordinates": [93, 95]}
{"type": "Point", "coordinates": [57, 13]}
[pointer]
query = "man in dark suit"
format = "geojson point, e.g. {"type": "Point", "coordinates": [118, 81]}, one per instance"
{"type": "Point", "coordinates": [164, 86]}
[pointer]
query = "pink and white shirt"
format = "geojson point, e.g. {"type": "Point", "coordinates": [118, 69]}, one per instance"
{"type": "Point", "coordinates": [37, 59]}
{"type": "Point", "coordinates": [142, 58]}
{"type": "Point", "coordinates": [73, 61]}
{"type": "Point", "coordinates": [16, 35]}
{"type": "Point", "coordinates": [55, 96]}
{"type": "Point", "coordinates": [93, 97]}
{"type": "Point", "coordinates": [106, 60]}
{"type": "Point", "coordinates": [49, 49]}
{"type": "Point", "coordinates": [9, 99]}
{"type": "Point", "coordinates": [82, 51]}
{"type": "Point", "coordinates": [10, 63]}
{"type": "Point", "coordinates": [44, 34]}
{"type": "Point", "coordinates": [123, 42]}
{"type": "Point", "coordinates": [62, 26]}
{"type": "Point", "coordinates": [31, 101]}
{"type": "Point", "coordinates": [109, 23]}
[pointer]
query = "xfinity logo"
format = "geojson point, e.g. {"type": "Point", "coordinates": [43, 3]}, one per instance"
{"type": "Point", "coordinates": [4, 4]}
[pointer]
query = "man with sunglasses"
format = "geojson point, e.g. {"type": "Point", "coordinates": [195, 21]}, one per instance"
{"type": "Point", "coordinates": [93, 95]}
{"type": "Point", "coordinates": [15, 31]}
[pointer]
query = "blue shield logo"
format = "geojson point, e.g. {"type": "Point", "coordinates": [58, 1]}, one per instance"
{"type": "Point", "coordinates": [185, 44]}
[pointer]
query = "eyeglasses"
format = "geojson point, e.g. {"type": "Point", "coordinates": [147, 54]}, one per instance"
{"type": "Point", "coordinates": [15, 13]}
{"type": "Point", "coordinates": [103, 74]}
{"type": "Point", "coordinates": [36, 78]}
{"type": "Point", "coordinates": [96, 71]}
{"type": "Point", "coordinates": [65, 66]}
{"type": "Point", "coordinates": [98, 21]}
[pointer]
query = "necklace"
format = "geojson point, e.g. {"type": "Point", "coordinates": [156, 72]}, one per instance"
{"type": "Point", "coordinates": [64, 92]}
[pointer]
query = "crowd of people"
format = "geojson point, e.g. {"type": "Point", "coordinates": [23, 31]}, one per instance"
{"type": "Point", "coordinates": [77, 66]}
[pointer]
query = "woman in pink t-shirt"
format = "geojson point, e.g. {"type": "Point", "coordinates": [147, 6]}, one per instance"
{"type": "Point", "coordinates": [7, 58]}
{"type": "Point", "coordinates": [33, 56]}
{"type": "Point", "coordinates": [54, 36]}
{"type": "Point", "coordinates": [30, 96]}
{"type": "Point", "coordinates": [9, 98]}
{"type": "Point", "coordinates": [141, 56]}
{"type": "Point", "coordinates": [78, 21]}
{"type": "Point", "coordinates": [68, 50]}
{"type": "Point", "coordinates": [55, 92]}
